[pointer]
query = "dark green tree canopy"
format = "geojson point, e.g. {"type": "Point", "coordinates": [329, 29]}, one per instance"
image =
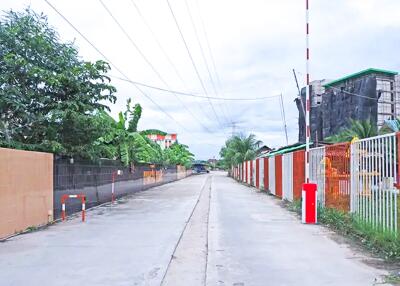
{"type": "Point", "coordinates": [238, 149]}
{"type": "Point", "coordinates": [48, 94]}
{"type": "Point", "coordinates": [356, 129]}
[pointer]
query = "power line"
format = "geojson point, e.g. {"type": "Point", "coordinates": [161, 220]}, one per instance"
{"type": "Point", "coordinates": [192, 60]}
{"type": "Point", "coordinates": [204, 57]}
{"type": "Point", "coordinates": [164, 51]}
{"type": "Point", "coordinates": [116, 67]}
{"type": "Point", "coordinates": [159, 43]}
{"type": "Point", "coordinates": [210, 52]}
{"type": "Point", "coordinates": [355, 94]}
{"type": "Point", "coordinates": [196, 95]}
{"type": "Point", "coordinates": [149, 63]}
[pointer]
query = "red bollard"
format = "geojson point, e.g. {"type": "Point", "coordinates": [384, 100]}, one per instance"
{"type": "Point", "coordinates": [83, 200]}
{"type": "Point", "coordinates": [309, 203]}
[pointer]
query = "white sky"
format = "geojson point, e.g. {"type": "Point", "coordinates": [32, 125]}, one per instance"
{"type": "Point", "coordinates": [255, 45]}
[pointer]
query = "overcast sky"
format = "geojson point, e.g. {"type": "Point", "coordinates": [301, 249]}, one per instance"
{"type": "Point", "coordinates": [255, 44]}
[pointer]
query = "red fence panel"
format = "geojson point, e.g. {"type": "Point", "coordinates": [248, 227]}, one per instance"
{"type": "Point", "coordinates": [278, 176]}
{"type": "Point", "coordinates": [298, 173]}
{"type": "Point", "coordinates": [337, 176]}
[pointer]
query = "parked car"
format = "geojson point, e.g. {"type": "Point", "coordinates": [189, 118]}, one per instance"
{"type": "Point", "coordinates": [200, 168]}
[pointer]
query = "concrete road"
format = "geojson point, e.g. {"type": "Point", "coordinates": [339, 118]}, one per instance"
{"type": "Point", "coordinates": [254, 241]}
{"type": "Point", "coordinates": [203, 230]}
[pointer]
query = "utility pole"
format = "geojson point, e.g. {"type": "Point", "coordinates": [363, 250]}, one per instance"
{"type": "Point", "coordinates": [301, 99]}
{"type": "Point", "coordinates": [284, 119]}
{"type": "Point", "coordinates": [308, 105]}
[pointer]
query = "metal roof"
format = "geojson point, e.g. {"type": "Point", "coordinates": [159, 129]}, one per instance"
{"type": "Point", "coordinates": [360, 73]}
{"type": "Point", "coordinates": [286, 150]}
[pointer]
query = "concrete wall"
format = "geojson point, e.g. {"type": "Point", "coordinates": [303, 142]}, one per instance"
{"type": "Point", "coordinates": [26, 190]}
{"type": "Point", "coordinates": [181, 172]}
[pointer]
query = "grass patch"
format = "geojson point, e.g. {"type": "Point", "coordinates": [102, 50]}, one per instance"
{"type": "Point", "coordinates": [294, 206]}
{"type": "Point", "coordinates": [382, 243]}
{"type": "Point", "coordinates": [392, 279]}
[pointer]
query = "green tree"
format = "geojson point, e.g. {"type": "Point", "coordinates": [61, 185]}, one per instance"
{"type": "Point", "coordinates": [49, 96]}
{"type": "Point", "coordinates": [122, 140]}
{"type": "Point", "coordinates": [153, 131]}
{"type": "Point", "coordinates": [133, 114]}
{"type": "Point", "coordinates": [356, 129]}
{"type": "Point", "coordinates": [178, 154]}
{"type": "Point", "coordinates": [238, 149]}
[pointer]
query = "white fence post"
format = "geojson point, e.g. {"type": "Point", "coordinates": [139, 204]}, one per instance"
{"type": "Point", "coordinates": [317, 172]}
{"type": "Point", "coordinates": [373, 175]}
{"type": "Point", "coordinates": [287, 176]}
{"type": "Point", "coordinates": [271, 174]}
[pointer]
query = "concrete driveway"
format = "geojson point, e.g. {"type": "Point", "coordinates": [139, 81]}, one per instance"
{"type": "Point", "coordinates": [202, 230]}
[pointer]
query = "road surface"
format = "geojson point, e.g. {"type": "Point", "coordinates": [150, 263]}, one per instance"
{"type": "Point", "coordinates": [202, 230]}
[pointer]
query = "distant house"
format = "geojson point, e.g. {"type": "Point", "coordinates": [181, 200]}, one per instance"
{"type": "Point", "coordinates": [262, 151]}
{"type": "Point", "coordinates": [165, 141]}
{"type": "Point", "coordinates": [371, 94]}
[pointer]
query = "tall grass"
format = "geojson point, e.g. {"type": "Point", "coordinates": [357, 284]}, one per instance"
{"type": "Point", "coordinates": [382, 243]}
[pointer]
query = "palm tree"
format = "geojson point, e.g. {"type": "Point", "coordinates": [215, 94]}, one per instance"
{"type": "Point", "coordinates": [239, 148]}
{"type": "Point", "coordinates": [356, 129]}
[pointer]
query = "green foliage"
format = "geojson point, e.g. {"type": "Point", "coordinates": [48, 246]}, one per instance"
{"type": "Point", "coordinates": [52, 100]}
{"type": "Point", "coordinates": [153, 131]}
{"type": "Point", "coordinates": [133, 114]}
{"type": "Point", "coordinates": [49, 96]}
{"type": "Point", "coordinates": [390, 127]}
{"type": "Point", "coordinates": [294, 206]}
{"type": "Point", "coordinates": [178, 154]}
{"type": "Point", "coordinates": [359, 129]}
{"type": "Point", "coordinates": [383, 243]}
{"type": "Point", "coordinates": [238, 149]}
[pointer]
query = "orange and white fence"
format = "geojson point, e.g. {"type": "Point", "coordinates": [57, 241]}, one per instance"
{"type": "Point", "coordinates": [361, 177]}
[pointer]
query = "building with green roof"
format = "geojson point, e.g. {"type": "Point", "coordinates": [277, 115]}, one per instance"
{"type": "Point", "coordinates": [371, 94]}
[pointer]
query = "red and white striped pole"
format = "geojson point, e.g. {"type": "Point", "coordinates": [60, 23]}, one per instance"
{"type": "Point", "coordinates": [83, 198]}
{"type": "Point", "coordinates": [309, 190]}
{"type": "Point", "coordinates": [113, 186]}
{"type": "Point", "coordinates": [114, 175]}
{"type": "Point", "coordinates": [63, 198]}
{"type": "Point", "coordinates": [308, 105]}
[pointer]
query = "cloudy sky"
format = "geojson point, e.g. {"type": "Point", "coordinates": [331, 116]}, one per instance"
{"type": "Point", "coordinates": [249, 48]}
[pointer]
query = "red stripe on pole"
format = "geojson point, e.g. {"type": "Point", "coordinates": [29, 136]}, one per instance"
{"type": "Point", "coordinates": [308, 131]}
{"type": "Point", "coordinates": [308, 79]}
{"type": "Point", "coordinates": [307, 4]}
{"type": "Point", "coordinates": [307, 29]}
{"type": "Point", "coordinates": [308, 53]}
{"type": "Point", "coordinates": [308, 104]}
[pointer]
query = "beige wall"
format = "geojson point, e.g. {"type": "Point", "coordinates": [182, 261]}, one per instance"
{"type": "Point", "coordinates": [152, 177]}
{"type": "Point", "coordinates": [181, 172]}
{"type": "Point", "coordinates": [26, 190]}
